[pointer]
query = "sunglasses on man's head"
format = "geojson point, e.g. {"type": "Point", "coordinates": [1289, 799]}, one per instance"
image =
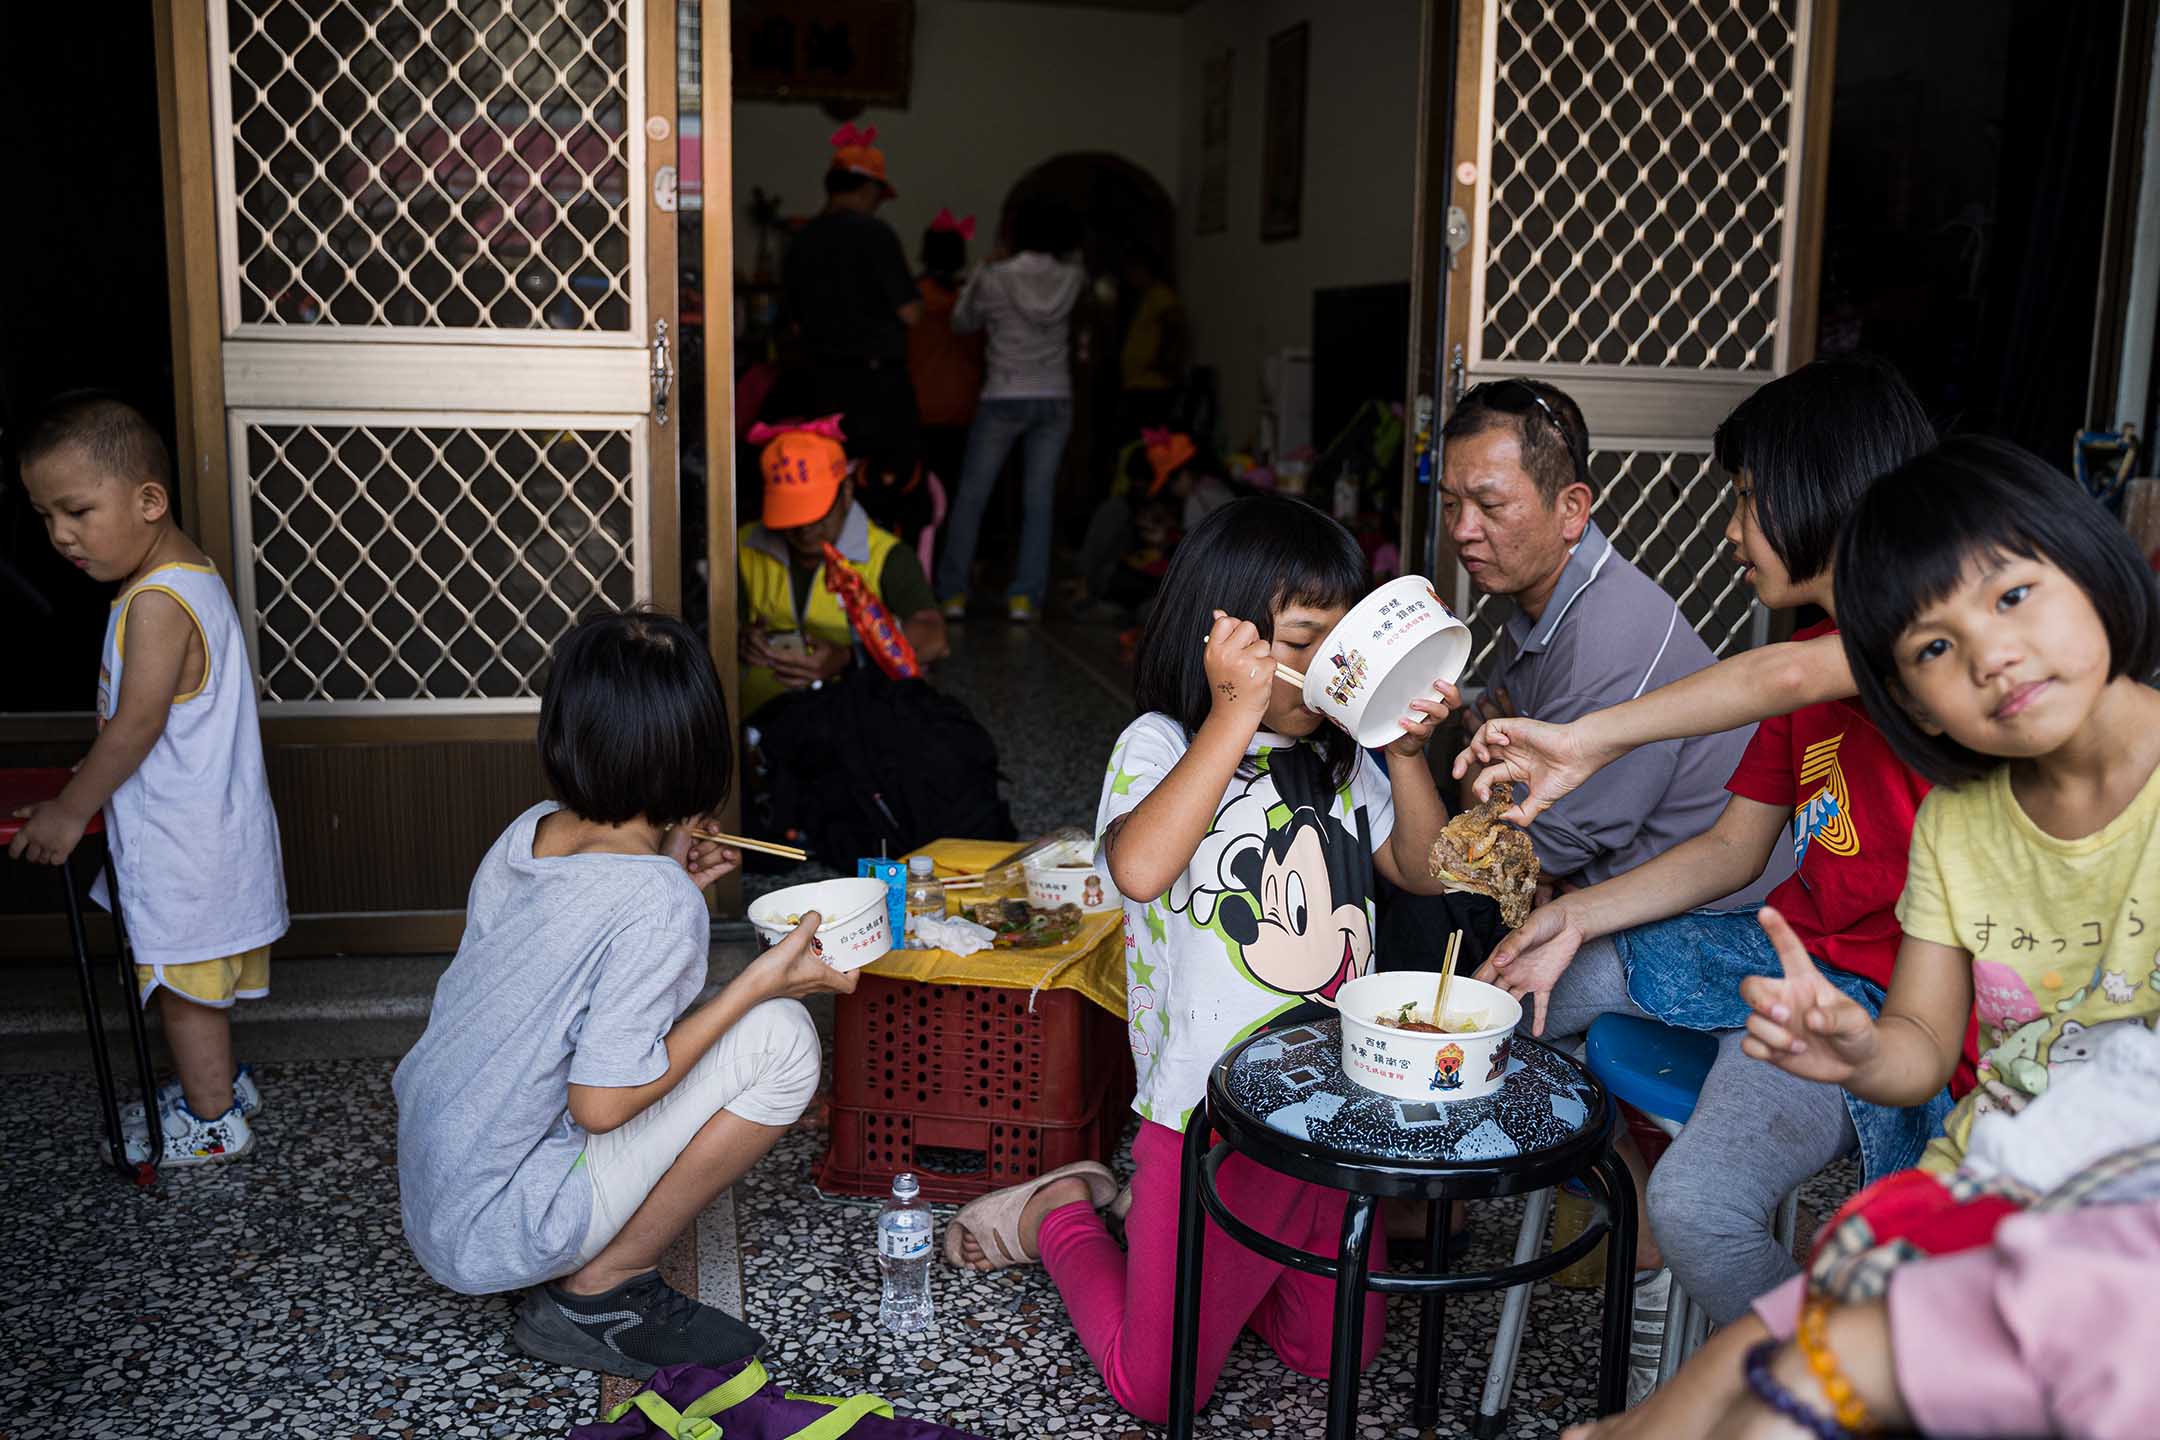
{"type": "Point", "coordinates": [1513, 396]}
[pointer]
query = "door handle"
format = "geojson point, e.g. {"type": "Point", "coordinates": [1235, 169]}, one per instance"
{"type": "Point", "coordinates": [663, 372]}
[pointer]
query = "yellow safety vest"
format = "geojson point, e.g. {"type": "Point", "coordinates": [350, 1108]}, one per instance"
{"type": "Point", "coordinates": [771, 601]}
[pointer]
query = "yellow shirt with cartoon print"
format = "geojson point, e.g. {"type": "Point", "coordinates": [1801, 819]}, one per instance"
{"type": "Point", "coordinates": [2064, 934]}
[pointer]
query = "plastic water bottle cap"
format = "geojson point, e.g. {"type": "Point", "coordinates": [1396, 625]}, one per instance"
{"type": "Point", "coordinates": [922, 867]}
{"type": "Point", "coordinates": [905, 1187]}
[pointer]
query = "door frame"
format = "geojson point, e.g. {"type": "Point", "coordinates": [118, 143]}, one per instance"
{"type": "Point", "coordinates": [1450, 147]}
{"type": "Point", "coordinates": [189, 105]}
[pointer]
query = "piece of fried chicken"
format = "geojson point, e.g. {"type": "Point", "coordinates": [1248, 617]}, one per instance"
{"type": "Point", "coordinates": [1480, 853]}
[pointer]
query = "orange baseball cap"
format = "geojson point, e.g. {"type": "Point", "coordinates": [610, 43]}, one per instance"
{"type": "Point", "coordinates": [1167, 454]}
{"type": "Point", "coordinates": [804, 466]}
{"type": "Point", "coordinates": [856, 152]}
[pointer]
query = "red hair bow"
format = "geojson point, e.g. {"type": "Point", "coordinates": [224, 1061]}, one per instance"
{"type": "Point", "coordinates": [1155, 435]}
{"type": "Point", "coordinates": [827, 426]}
{"type": "Point", "coordinates": [848, 135]}
{"type": "Point", "coordinates": [945, 221]}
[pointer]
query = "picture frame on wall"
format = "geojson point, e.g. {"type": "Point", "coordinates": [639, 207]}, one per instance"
{"type": "Point", "coordinates": [1282, 153]}
{"type": "Point", "coordinates": [1211, 208]}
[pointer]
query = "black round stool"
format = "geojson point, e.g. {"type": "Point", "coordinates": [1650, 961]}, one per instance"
{"type": "Point", "coordinates": [1281, 1099]}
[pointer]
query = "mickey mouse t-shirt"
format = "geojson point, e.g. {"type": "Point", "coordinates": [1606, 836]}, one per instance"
{"type": "Point", "coordinates": [1274, 909]}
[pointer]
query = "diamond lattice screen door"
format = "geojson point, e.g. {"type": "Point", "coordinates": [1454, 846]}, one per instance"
{"type": "Point", "coordinates": [444, 267]}
{"type": "Point", "coordinates": [1634, 174]}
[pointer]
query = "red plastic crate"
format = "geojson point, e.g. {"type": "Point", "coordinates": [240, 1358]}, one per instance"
{"type": "Point", "coordinates": [975, 1052]}
{"type": "Point", "coordinates": [969, 1088]}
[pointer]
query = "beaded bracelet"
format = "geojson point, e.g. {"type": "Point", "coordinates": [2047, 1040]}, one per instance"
{"type": "Point", "coordinates": [1778, 1398]}
{"type": "Point", "coordinates": [1813, 1334]}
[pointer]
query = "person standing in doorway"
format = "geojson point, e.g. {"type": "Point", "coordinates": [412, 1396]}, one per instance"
{"type": "Point", "coordinates": [1025, 303]}
{"type": "Point", "coordinates": [947, 368]}
{"type": "Point", "coordinates": [1151, 366]}
{"type": "Point", "coordinates": [851, 298]}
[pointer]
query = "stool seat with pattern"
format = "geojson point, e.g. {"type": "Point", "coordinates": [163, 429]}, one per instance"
{"type": "Point", "coordinates": [1659, 1069]}
{"type": "Point", "coordinates": [19, 788]}
{"type": "Point", "coordinates": [1281, 1099]}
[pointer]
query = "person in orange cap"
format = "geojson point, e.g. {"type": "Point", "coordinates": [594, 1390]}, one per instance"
{"type": "Point", "coordinates": [850, 297]}
{"type": "Point", "coordinates": [794, 630]}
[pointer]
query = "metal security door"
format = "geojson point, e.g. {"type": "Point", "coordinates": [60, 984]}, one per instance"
{"type": "Point", "coordinates": [444, 263]}
{"type": "Point", "coordinates": [1634, 177]}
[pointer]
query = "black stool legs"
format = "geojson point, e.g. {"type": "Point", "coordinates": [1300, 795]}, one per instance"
{"type": "Point", "coordinates": [93, 1018]}
{"type": "Point", "coordinates": [1432, 1318]}
{"type": "Point", "coordinates": [1613, 1351]}
{"type": "Point", "coordinates": [1607, 1175]}
{"type": "Point", "coordinates": [1352, 1261]}
{"type": "Point", "coordinates": [1192, 1236]}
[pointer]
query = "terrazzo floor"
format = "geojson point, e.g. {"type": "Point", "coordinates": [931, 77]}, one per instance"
{"type": "Point", "coordinates": [275, 1296]}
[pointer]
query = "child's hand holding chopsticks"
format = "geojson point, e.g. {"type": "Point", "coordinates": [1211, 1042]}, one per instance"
{"type": "Point", "coordinates": [705, 859]}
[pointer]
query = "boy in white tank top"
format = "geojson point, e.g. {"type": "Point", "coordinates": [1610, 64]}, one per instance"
{"type": "Point", "coordinates": [177, 766]}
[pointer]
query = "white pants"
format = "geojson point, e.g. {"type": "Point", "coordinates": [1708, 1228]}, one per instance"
{"type": "Point", "coordinates": [764, 1068]}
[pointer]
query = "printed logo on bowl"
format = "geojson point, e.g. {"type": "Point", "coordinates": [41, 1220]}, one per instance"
{"type": "Point", "coordinates": [1349, 676]}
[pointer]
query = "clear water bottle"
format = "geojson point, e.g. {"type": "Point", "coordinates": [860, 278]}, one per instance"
{"type": "Point", "coordinates": [925, 896]}
{"type": "Point", "coordinates": [903, 1236]}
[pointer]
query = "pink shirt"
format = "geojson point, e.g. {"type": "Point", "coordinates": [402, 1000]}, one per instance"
{"type": "Point", "coordinates": [2048, 1331]}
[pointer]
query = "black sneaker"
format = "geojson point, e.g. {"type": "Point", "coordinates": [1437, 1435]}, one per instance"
{"type": "Point", "coordinates": [633, 1330]}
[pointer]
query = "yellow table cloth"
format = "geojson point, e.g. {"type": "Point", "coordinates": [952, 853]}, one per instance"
{"type": "Point", "coordinates": [1092, 962]}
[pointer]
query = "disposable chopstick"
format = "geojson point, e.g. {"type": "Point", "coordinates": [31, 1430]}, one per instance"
{"type": "Point", "coordinates": [763, 847]}
{"type": "Point", "coordinates": [1447, 977]}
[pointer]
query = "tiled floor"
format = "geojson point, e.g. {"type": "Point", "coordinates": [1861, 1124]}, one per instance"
{"type": "Point", "coordinates": [275, 1296]}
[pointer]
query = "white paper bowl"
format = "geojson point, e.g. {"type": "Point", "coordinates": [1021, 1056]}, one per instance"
{"type": "Point", "coordinates": [1413, 1066]}
{"type": "Point", "coordinates": [1384, 654]}
{"type": "Point", "coordinates": [1066, 874]}
{"type": "Point", "coordinates": [854, 924]}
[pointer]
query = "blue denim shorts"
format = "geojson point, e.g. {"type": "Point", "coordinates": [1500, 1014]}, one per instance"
{"type": "Point", "coordinates": [1686, 971]}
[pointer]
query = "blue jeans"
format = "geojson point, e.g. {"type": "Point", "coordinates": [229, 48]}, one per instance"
{"type": "Point", "coordinates": [999, 425]}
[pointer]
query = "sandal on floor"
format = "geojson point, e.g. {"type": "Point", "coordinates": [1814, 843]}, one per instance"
{"type": "Point", "coordinates": [994, 1219]}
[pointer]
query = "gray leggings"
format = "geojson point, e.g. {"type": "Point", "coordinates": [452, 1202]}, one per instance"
{"type": "Point", "coordinates": [1755, 1134]}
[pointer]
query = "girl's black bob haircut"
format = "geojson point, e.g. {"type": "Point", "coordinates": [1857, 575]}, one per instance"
{"type": "Point", "coordinates": [1248, 559]}
{"type": "Point", "coordinates": [632, 722]}
{"type": "Point", "coordinates": [1811, 443]}
{"type": "Point", "coordinates": [1918, 533]}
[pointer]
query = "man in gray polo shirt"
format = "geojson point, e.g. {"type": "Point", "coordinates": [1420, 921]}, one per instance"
{"type": "Point", "coordinates": [1586, 630]}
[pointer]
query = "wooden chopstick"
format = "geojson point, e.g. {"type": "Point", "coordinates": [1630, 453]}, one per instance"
{"type": "Point", "coordinates": [1447, 977]}
{"type": "Point", "coordinates": [763, 847]}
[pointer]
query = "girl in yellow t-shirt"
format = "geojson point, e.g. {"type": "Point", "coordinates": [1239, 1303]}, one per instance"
{"type": "Point", "coordinates": [2001, 627]}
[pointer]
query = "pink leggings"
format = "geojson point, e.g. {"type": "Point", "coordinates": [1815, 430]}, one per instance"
{"type": "Point", "coordinates": [1121, 1300]}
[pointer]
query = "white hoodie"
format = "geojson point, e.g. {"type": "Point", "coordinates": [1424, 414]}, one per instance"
{"type": "Point", "coordinates": [1026, 305]}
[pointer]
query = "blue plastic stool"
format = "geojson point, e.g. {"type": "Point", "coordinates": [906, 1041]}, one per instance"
{"type": "Point", "coordinates": [1659, 1069]}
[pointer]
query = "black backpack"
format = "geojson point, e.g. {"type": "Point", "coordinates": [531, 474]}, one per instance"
{"type": "Point", "coordinates": [866, 765]}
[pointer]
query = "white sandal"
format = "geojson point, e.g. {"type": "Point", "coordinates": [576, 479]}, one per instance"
{"type": "Point", "coordinates": [994, 1219]}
